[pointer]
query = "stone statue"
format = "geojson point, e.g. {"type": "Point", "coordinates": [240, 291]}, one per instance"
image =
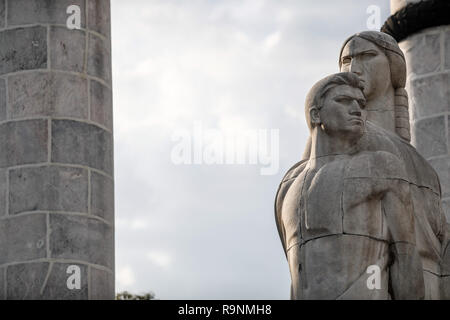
{"type": "Point", "coordinates": [378, 62]}
{"type": "Point", "coordinates": [348, 209]}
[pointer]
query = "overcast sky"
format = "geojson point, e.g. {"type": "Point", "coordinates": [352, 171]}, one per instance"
{"type": "Point", "coordinates": [207, 231]}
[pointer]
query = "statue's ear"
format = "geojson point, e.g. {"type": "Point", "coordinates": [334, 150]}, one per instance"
{"type": "Point", "coordinates": [314, 115]}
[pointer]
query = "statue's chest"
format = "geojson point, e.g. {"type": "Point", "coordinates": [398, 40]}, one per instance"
{"type": "Point", "coordinates": [342, 197]}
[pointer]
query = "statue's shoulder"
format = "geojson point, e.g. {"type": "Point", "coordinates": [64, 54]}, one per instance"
{"type": "Point", "coordinates": [294, 171]}
{"type": "Point", "coordinates": [419, 170]}
{"type": "Point", "coordinates": [376, 164]}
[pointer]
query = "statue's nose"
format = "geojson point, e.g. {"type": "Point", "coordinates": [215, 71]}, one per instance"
{"type": "Point", "coordinates": [355, 67]}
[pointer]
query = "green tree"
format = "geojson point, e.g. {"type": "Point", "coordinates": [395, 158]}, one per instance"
{"type": "Point", "coordinates": [125, 295]}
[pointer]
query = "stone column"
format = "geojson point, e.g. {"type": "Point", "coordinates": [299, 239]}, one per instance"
{"type": "Point", "coordinates": [427, 53]}
{"type": "Point", "coordinates": [56, 151]}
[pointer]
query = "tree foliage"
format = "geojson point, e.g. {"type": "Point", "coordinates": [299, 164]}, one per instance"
{"type": "Point", "coordinates": [125, 295]}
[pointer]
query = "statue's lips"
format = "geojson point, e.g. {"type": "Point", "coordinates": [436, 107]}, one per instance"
{"type": "Point", "coordinates": [356, 120]}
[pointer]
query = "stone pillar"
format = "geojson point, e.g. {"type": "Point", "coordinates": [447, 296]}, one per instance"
{"type": "Point", "coordinates": [56, 151]}
{"type": "Point", "coordinates": [427, 53]}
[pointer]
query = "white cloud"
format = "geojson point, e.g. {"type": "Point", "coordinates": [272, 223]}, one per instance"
{"type": "Point", "coordinates": [160, 258]}
{"type": "Point", "coordinates": [125, 277]}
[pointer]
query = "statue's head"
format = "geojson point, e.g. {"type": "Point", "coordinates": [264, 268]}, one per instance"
{"type": "Point", "coordinates": [377, 60]}
{"type": "Point", "coordinates": [335, 105]}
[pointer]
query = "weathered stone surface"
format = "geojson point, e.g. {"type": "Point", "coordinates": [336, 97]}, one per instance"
{"type": "Point", "coordinates": [52, 188]}
{"type": "Point", "coordinates": [432, 286]}
{"type": "Point", "coordinates": [99, 58]}
{"type": "Point", "coordinates": [67, 49]}
{"type": "Point", "coordinates": [3, 191]}
{"type": "Point", "coordinates": [25, 281]}
{"type": "Point", "coordinates": [42, 11]}
{"type": "Point", "coordinates": [2, 99]}
{"type": "Point", "coordinates": [2, 13]}
{"type": "Point", "coordinates": [445, 287]}
{"type": "Point", "coordinates": [442, 167]}
{"type": "Point", "coordinates": [99, 16]}
{"type": "Point", "coordinates": [446, 208]}
{"type": "Point", "coordinates": [102, 285]}
{"type": "Point", "coordinates": [80, 143]}
{"type": "Point", "coordinates": [23, 142]}
{"type": "Point", "coordinates": [429, 95]}
{"type": "Point", "coordinates": [429, 136]}
{"type": "Point", "coordinates": [2, 284]}
{"type": "Point", "coordinates": [101, 104]}
{"type": "Point", "coordinates": [102, 196]}
{"type": "Point", "coordinates": [56, 287]}
{"type": "Point", "coordinates": [23, 238]}
{"type": "Point", "coordinates": [447, 49]}
{"type": "Point", "coordinates": [81, 238]}
{"type": "Point", "coordinates": [48, 94]}
{"type": "Point", "coordinates": [423, 53]}
{"type": "Point", "coordinates": [23, 49]}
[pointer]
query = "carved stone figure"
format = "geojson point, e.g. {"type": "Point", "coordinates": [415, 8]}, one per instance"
{"type": "Point", "coordinates": [378, 62]}
{"type": "Point", "coordinates": [348, 209]}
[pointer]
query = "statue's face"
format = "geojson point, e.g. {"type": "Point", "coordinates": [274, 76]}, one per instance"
{"type": "Point", "coordinates": [343, 112]}
{"type": "Point", "coordinates": [369, 62]}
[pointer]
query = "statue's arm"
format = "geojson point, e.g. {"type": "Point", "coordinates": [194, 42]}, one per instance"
{"type": "Point", "coordinates": [290, 175]}
{"type": "Point", "coordinates": [405, 271]}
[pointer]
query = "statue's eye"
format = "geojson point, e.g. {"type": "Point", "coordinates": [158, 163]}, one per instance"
{"type": "Point", "coordinates": [343, 100]}
{"type": "Point", "coordinates": [369, 54]}
{"type": "Point", "coordinates": [346, 60]}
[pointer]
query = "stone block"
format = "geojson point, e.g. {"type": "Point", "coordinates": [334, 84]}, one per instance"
{"type": "Point", "coordinates": [83, 144]}
{"type": "Point", "coordinates": [429, 136]}
{"type": "Point", "coordinates": [101, 104]}
{"type": "Point", "coordinates": [23, 49]}
{"type": "Point", "coordinates": [447, 49]}
{"type": "Point", "coordinates": [48, 94]}
{"type": "Point", "coordinates": [102, 285]}
{"type": "Point", "coordinates": [442, 167]}
{"type": "Point", "coordinates": [25, 281]}
{"type": "Point", "coordinates": [52, 188]}
{"type": "Point", "coordinates": [429, 95]}
{"type": "Point", "coordinates": [99, 58]}
{"type": "Point", "coordinates": [2, 15]}
{"type": "Point", "coordinates": [102, 196]}
{"type": "Point", "coordinates": [3, 191]}
{"type": "Point", "coordinates": [81, 238]}
{"type": "Point", "coordinates": [423, 53]}
{"type": "Point", "coordinates": [2, 99]}
{"type": "Point", "coordinates": [23, 142]}
{"type": "Point", "coordinates": [67, 49]}
{"type": "Point", "coordinates": [57, 287]}
{"type": "Point", "coordinates": [23, 238]}
{"type": "Point", "coordinates": [99, 16]}
{"type": "Point", "coordinates": [22, 12]}
{"type": "Point", "coordinates": [2, 284]}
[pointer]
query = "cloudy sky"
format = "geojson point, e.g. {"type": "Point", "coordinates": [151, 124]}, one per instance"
{"type": "Point", "coordinates": [194, 75]}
